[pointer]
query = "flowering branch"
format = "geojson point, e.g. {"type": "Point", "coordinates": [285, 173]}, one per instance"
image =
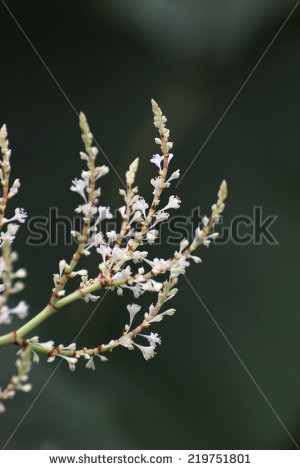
{"type": "Point", "coordinates": [119, 253]}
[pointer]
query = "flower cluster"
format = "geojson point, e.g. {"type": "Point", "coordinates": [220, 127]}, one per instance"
{"type": "Point", "coordinates": [124, 261]}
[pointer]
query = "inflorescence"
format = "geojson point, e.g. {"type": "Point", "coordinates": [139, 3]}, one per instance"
{"type": "Point", "coordinates": [118, 254]}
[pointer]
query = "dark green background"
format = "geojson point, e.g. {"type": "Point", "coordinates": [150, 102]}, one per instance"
{"type": "Point", "coordinates": [111, 57]}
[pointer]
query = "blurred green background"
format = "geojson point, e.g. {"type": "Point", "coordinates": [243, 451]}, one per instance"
{"type": "Point", "coordinates": [110, 58]}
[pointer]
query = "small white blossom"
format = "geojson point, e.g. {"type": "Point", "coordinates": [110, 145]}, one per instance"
{"type": "Point", "coordinates": [157, 183]}
{"type": "Point", "coordinates": [175, 175]}
{"type": "Point", "coordinates": [174, 203]}
{"type": "Point", "coordinates": [104, 213]}
{"type": "Point", "coordinates": [112, 236]}
{"type": "Point", "coordinates": [122, 275]}
{"type": "Point", "coordinates": [90, 297]}
{"type": "Point", "coordinates": [159, 265]}
{"type": "Point", "coordinates": [160, 316]}
{"type": "Point", "coordinates": [126, 342]}
{"type": "Point", "coordinates": [70, 360]}
{"type": "Point", "coordinates": [91, 364]}
{"type": "Point", "coordinates": [88, 210]}
{"type": "Point", "coordinates": [104, 250]}
{"type": "Point", "coordinates": [21, 310]}
{"type": "Point", "coordinates": [137, 289]}
{"type": "Point", "coordinates": [81, 272]}
{"type": "Point", "coordinates": [79, 187]}
{"type": "Point", "coordinates": [153, 339]}
{"type": "Point", "coordinates": [141, 205]}
{"type": "Point", "coordinates": [20, 216]}
{"type": "Point", "coordinates": [152, 286]}
{"type": "Point", "coordinates": [133, 309]}
{"type": "Point", "coordinates": [152, 236]}
{"type": "Point", "coordinates": [147, 351]}
{"type": "Point", "coordinates": [160, 216]}
{"type": "Point", "coordinates": [157, 159]}
{"type": "Point", "coordinates": [101, 171]}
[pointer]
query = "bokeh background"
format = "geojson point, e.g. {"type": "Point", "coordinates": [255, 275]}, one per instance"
{"type": "Point", "coordinates": [110, 57]}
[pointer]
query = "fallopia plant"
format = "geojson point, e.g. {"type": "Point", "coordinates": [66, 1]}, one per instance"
{"type": "Point", "coordinates": [123, 261]}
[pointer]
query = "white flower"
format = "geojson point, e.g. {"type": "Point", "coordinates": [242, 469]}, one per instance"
{"type": "Point", "coordinates": [160, 216]}
{"type": "Point", "coordinates": [137, 217]}
{"type": "Point", "coordinates": [87, 297]}
{"type": "Point", "coordinates": [133, 309]}
{"type": "Point", "coordinates": [141, 205]}
{"type": "Point", "coordinates": [119, 254]}
{"type": "Point", "coordinates": [70, 360]}
{"type": "Point", "coordinates": [101, 171]}
{"type": "Point", "coordinates": [156, 159]}
{"type": "Point", "coordinates": [90, 363]}
{"type": "Point", "coordinates": [137, 290]}
{"type": "Point", "coordinates": [104, 213]}
{"type": "Point", "coordinates": [151, 236]}
{"type": "Point", "coordinates": [88, 209]}
{"type": "Point", "coordinates": [159, 265]}
{"type": "Point", "coordinates": [174, 203]}
{"type": "Point", "coordinates": [95, 240]}
{"type": "Point", "coordinates": [139, 255]}
{"type": "Point", "coordinates": [81, 272]}
{"type": "Point", "coordinates": [178, 267]}
{"type": "Point", "coordinates": [78, 186]}
{"type": "Point", "coordinates": [123, 275]}
{"type": "Point", "coordinates": [147, 351]}
{"type": "Point", "coordinates": [126, 342]}
{"type": "Point", "coordinates": [21, 310]}
{"type": "Point", "coordinates": [46, 345]}
{"type": "Point", "coordinates": [152, 286]}
{"type": "Point", "coordinates": [160, 316]}
{"type": "Point", "coordinates": [174, 176]}
{"type": "Point", "coordinates": [104, 250]}
{"type": "Point", "coordinates": [157, 183]}
{"type": "Point", "coordinates": [153, 339]}
{"type": "Point", "coordinates": [112, 236]}
{"type": "Point", "coordinates": [20, 216]}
